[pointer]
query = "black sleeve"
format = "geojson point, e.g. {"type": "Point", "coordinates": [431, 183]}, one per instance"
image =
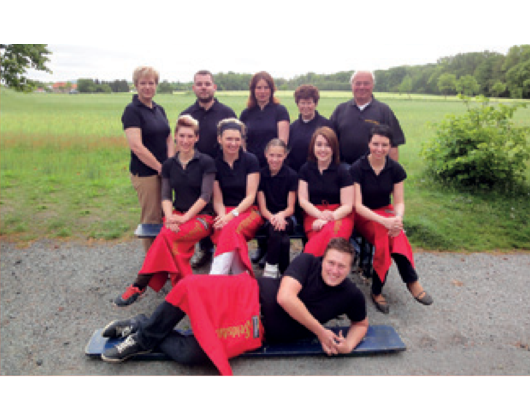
{"type": "Point", "coordinates": [166, 190]}
{"type": "Point", "coordinates": [345, 179]}
{"type": "Point", "coordinates": [300, 267]}
{"type": "Point", "coordinates": [207, 186]}
{"type": "Point", "coordinates": [131, 118]}
{"type": "Point", "coordinates": [357, 308]}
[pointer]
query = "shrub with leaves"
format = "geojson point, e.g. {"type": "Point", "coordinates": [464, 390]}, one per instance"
{"type": "Point", "coordinates": [481, 148]}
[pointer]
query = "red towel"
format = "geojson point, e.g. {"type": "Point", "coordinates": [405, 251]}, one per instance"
{"type": "Point", "coordinates": [385, 246]}
{"type": "Point", "coordinates": [234, 236]}
{"type": "Point", "coordinates": [224, 314]}
{"type": "Point", "coordinates": [171, 252]}
{"type": "Point", "coordinates": [318, 240]}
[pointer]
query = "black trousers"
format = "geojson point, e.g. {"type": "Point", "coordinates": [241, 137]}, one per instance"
{"type": "Point", "coordinates": [279, 244]}
{"type": "Point", "coordinates": [158, 333]}
{"type": "Point", "coordinates": [406, 271]}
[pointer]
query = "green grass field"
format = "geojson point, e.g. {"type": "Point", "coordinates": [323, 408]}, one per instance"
{"type": "Point", "coordinates": [64, 171]}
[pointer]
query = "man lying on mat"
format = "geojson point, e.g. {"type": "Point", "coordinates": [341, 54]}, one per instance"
{"type": "Point", "coordinates": [312, 292]}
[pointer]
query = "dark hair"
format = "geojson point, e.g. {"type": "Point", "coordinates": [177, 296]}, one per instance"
{"type": "Point", "coordinates": [333, 142]}
{"type": "Point", "coordinates": [306, 92]}
{"type": "Point", "coordinates": [341, 245]}
{"type": "Point", "coordinates": [384, 131]}
{"type": "Point", "coordinates": [262, 75]}
{"type": "Point", "coordinates": [277, 143]}
{"type": "Point", "coordinates": [203, 73]}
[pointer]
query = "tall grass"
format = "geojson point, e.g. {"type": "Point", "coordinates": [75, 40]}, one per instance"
{"type": "Point", "coordinates": [64, 171]}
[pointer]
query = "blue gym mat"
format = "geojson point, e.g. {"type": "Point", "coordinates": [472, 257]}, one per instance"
{"type": "Point", "coordinates": [379, 339]}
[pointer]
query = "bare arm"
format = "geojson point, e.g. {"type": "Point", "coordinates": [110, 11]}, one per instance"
{"type": "Point", "coordinates": [346, 203]}
{"type": "Point", "coordinates": [283, 131]}
{"type": "Point", "coordinates": [288, 299]}
{"type": "Point", "coordinates": [303, 198]}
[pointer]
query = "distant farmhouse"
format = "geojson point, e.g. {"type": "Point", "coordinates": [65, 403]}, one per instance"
{"type": "Point", "coordinates": [64, 87]}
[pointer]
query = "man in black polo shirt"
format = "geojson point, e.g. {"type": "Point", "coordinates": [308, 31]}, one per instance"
{"type": "Point", "coordinates": [312, 292]}
{"type": "Point", "coordinates": [208, 111]}
{"type": "Point", "coordinates": [353, 120]}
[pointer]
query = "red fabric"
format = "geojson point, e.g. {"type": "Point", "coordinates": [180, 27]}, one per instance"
{"type": "Point", "coordinates": [318, 240]}
{"type": "Point", "coordinates": [234, 236]}
{"type": "Point", "coordinates": [223, 312]}
{"type": "Point", "coordinates": [171, 252]}
{"type": "Point", "coordinates": [385, 246]}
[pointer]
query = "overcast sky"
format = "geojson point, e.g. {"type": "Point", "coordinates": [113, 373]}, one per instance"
{"type": "Point", "coordinates": [179, 62]}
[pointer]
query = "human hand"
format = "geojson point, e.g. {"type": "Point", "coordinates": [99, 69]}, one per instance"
{"type": "Point", "coordinates": [393, 223]}
{"type": "Point", "coordinates": [342, 345]}
{"type": "Point", "coordinates": [222, 220]}
{"type": "Point", "coordinates": [329, 342]}
{"type": "Point", "coordinates": [327, 215]}
{"type": "Point", "coordinates": [318, 224]}
{"type": "Point", "coordinates": [278, 222]}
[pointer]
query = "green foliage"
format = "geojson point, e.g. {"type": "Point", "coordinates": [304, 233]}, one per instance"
{"type": "Point", "coordinates": [447, 83]}
{"type": "Point", "coordinates": [482, 148]}
{"type": "Point", "coordinates": [15, 59]}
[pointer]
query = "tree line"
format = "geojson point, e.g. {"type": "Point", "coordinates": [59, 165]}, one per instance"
{"type": "Point", "coordinates": [486, 73]}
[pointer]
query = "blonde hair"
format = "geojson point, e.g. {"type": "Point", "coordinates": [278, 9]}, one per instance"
{"type": "Point", "coordinates": [187, 121]}
{"type": "Point", "coordinates": [145, 71]}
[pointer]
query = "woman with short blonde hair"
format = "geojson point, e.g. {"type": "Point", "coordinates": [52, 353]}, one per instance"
{"type": "Point", "coordinates": [149, 137]}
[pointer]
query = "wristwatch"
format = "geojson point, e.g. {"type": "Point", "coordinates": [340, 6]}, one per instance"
{"type": "Point", "coordinates": [235, 213]}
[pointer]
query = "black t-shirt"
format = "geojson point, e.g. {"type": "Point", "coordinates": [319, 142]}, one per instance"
{"type": "Point", "coordinates": [187, 183]}
{"type": "Point", "coordinates": [377, 189]}
{"type": "Point", "coordinates": [208, 120]}
{"type": "Point", "coordinates": [277, 188]}
{"type": "Point", "coordinates": [300, 134]}
{"type": "Point", "coordinates": [233, 182]}
{"type": "Point", "coordinates": [155, 129]}
{"type": "Point", "coordinates": [325, 188]}
{"type": "Point", "coordinates": [353, 127]}
{"type": "Point", "coordinates": [322, 301]}
{"type": "Point", "coordinates": [262, 127]}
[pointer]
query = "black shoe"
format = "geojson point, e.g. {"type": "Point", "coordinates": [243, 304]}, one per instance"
{"type": "Point", "coordinates": [262, 261]}
{"type": "Point", "coordinates": [201, 258]}
{"type": "Point", "coordinates": [123, 328]}
{"type": "Point", "coordinates": [121, 352]}
{"type": "Point", "coordinates": [257, 255]}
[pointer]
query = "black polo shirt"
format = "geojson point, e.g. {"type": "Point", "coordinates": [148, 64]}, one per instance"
{"type": "Point", "coordinates": [233, 182]}
{"type": "Point", "coordinates": [277, 188]}
{"type": "Point", "coordinates": [155, 130]}
{"type": "Point", "coordinates": [323, 302]}
{"type": "Point", "coordinates": [262, 127]}
{"type": "Point", "coordinates": [325, 188]}
{"type": "Point", "coordinates": [377, 189]}
{"type": "Point", "coordinates": [208, 120]}
{"type": "Point", "coordinates": [353, 127]}
{"type": "Point", "coordinates": [300, 134]}
{"type": "Point", "coordinates": [187, 183]}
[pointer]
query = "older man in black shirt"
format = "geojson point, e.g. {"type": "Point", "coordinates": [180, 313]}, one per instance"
{"type": "Point", "coordinates": [354, 120]}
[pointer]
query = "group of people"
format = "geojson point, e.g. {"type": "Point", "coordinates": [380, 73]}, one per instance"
{"type": "Point", "coordinates": [219, 180]}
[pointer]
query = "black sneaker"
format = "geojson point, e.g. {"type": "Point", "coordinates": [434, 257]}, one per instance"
{"type": "Point", "coordinates": [123, 328]}
{"type": "Point", "coordinates": [121, 352]}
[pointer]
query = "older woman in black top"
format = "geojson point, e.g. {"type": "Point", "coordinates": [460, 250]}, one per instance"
{"type": "Point", "coordinates": [325, 193]}
{"type": "Point", "coordinates": [376, 179]}
{"type": "Point", "coordinates": [301, 131]}
{"type": "Point", "coordinates": [149, 137]}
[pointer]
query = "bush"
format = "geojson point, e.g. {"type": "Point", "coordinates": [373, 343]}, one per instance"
{"type": "Point", "coordinates": [480, 149]}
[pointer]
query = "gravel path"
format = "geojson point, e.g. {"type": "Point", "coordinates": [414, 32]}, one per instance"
{"type": "Point", "coordinates": [54, 295]}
